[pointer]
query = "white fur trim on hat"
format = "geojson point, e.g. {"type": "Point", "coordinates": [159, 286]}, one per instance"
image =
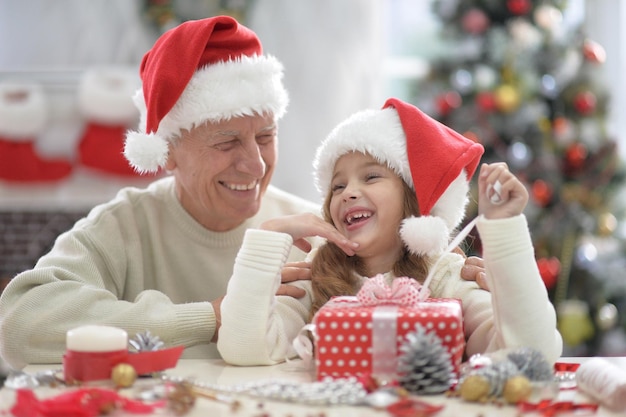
{"type": "Point", "coordinates": [242, 87]}
{"type": "Point", "coordinates": [452, 203]}
{"type": "Point", "coordinates": [105, 95]}
{"type": "Point", "coordinates": [378, 133]}
{"type": "Point", "coordinates": [425, 235]}
{"type": "Point", "coordinates": [430, 235]}
{"type": "Point", "coordinates": [145, 152]}
{"type": "Point", "coordinates": [23, 111]}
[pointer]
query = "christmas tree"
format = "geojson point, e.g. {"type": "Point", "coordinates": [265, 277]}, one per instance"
{"type": "Point", "coordinates": [530, 89]}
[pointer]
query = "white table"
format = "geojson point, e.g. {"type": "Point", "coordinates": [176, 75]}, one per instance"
{"type": "Point", "coordinates": [216, 372]}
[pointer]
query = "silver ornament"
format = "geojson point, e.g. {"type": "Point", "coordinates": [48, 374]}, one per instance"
{"type": "Point", "coordinates": [145, 341]}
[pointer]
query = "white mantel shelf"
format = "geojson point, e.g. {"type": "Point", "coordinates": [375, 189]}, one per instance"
{"type": "Point", "coordinates": [81, 191]}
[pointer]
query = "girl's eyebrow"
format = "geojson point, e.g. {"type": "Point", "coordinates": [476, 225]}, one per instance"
{"type": "Point", "coordinates": [365, 165]}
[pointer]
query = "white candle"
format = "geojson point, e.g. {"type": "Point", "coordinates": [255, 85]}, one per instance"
{"type": "Point", "coordinates": [95, 338]}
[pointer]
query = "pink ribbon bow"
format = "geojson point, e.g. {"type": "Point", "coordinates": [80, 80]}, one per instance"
{"type": "Point", "coordinates": [403, 291]}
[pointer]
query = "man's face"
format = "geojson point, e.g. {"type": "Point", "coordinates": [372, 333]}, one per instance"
{"type": "Point", "coordinates": [223, 169]}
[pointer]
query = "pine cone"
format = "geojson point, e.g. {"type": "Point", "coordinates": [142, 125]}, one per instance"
{"type": "Point", "coordinates": [425, 365]}
{"type": "Point", "coordinates": [532, 363]}
{"type": "Point", "coordinates": [146, 342]}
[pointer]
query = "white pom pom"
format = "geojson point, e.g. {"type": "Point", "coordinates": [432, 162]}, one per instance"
{"type": "Point", "coordinates": [425, 235]}
{"type": "Point", "coordinates": [145, 152]}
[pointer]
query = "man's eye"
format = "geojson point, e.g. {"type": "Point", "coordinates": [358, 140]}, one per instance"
{"type": "Point", "coordinates": [225, 146]}
{"type": "Point", "coordinates": [264, 139]}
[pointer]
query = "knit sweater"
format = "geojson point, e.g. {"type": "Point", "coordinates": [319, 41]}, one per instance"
{"type": "Point", "coordinates": [258, 327]}
{"type": "Point", "coordinates": [139, 262]}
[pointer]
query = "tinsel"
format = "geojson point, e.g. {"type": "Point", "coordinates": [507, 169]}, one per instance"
{"type": "Point", "coordinates": [486, 376]}
{"type": "Point", "coordinates": [340, 391]}
{"type": "Point", "coordinates": [424, 365]}
{"type": "Point", "coordinates": [496, 376]}
{"type": "Point", "coordinates": [532, 364]}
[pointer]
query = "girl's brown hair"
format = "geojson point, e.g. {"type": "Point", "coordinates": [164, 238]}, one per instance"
{"type": "Point", "coordinates": [333, 272]}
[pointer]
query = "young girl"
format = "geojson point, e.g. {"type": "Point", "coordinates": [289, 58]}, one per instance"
{"type": "Point", "coordinates": [395, 183]}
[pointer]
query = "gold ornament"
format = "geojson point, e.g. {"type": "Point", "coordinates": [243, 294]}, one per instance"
{"type": "Point", "coordinates": [544, 124]}
{"type": "Point", "coordinates": [574, 322]}
{"type": "Point", "coordinates": [123, 375]}
{"type": "Point", "coordinates": [475, 388]}
{"type": "Point", "coordinates": [516, 389]}
{"type": "Point", "coordinates": [607, 223]}
{"type": "Point", "coordinates": [507, 98]}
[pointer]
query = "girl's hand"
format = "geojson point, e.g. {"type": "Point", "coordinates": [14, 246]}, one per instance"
{"type": "Point", "coordinates": [500, 193]}
{"type": "Point", "coordinates": [301, 226]}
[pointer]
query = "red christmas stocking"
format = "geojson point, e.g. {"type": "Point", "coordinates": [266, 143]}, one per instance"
{"type": "Point", "coordinates": [105, 99]}
{"type": "Point", "coordinates": [23, 115]}
{"type": "Point", "coordinates": [102, 147]}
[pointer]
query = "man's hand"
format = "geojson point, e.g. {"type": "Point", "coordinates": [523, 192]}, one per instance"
{"type": "Point", "coordinates": [217, 304]}
{"type": "Point", "coordinates": [474, 270]}
{"type": "Point", "coordinates": [294, 271]}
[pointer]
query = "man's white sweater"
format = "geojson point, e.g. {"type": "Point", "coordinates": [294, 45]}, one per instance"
{"type": "Point", "coordinates": [139, 262]}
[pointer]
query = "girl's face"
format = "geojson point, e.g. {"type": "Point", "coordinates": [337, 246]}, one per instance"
{"type": "Point", "coordinates": [366, 205]}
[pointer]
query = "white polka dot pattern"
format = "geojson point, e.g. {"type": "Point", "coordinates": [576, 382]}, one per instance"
{"type": "Point", "coordinates": [343, 345]}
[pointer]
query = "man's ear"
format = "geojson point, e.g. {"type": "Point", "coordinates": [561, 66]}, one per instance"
{"type": "Point", "coordinates": [170, 163]}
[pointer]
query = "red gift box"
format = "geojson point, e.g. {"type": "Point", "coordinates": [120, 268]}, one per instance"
{"type": "Point", "coordinates": [352, 339]}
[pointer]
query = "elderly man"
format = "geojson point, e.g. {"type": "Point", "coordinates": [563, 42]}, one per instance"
{"type": "Point", "coordinates": [160, 258]}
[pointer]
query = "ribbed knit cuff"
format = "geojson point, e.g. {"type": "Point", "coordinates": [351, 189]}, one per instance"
{"type": "Point", "coordinates": [195, 323]}
{"type": "Point", "coordinates": [503, 236]}
{"type": "Point", "coordinates": [264, 250]}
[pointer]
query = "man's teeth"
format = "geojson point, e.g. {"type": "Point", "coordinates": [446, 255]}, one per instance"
{"type": "Point", "coordinates": [351, 218]}
{"type": "Point", "coordinates": [241, 187]}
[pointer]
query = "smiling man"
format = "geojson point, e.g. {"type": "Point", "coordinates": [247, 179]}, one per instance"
{"type": "Point", "coordinates": [160, 258]}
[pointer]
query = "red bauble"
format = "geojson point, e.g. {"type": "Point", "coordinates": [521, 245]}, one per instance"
{"type": "Point", "coordinates": [448, 101]}
{"type": "Point", "coordinates": [593, 52]}
{"type": "Point", "coordinates": [542, 192]}
{"type": "Point", "coordinates": [486, 101]}
{"type": "Point", "coordinates": [475, 21]}
{"type": "Point", "coordinates": [585, 102]}
{"type": "Point", "coordinates": [518, 7]}
{"type": "Point", "coordinates": [575, 156]}
{"type": "Point", "coordinates": [549, 269]}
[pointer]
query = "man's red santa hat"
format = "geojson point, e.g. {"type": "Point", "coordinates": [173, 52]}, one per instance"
{"type": "Point", "coordinates": [202, 70]}
{"type": "Point", "coordinates": [431, 158]}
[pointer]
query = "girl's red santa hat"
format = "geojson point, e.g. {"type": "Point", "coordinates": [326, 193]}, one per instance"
{"type": "Point", "coordinates": [431, 158]}
{"type": "Point", "coordinates": [202, 70]}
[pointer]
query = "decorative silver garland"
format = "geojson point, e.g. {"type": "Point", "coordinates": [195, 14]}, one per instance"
{"type": "Point", "coordinates": [344, 391]}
